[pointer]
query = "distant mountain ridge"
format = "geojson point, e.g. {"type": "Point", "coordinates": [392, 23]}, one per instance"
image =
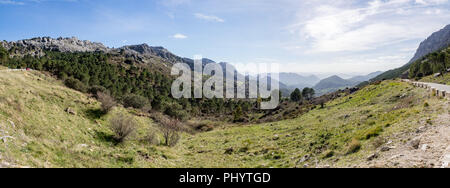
{"type": "Point", "coordinates": [141, 52]}
{"type": "Point", "coordinates": [162, 59]}
{"type": "Point", "coordinates": [335, 83]}
{"type": "Point", "coordinates": [366, 77]}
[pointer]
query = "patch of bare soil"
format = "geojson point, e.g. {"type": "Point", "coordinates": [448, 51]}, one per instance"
{"type": "Point", "coordinates": [427, 147]}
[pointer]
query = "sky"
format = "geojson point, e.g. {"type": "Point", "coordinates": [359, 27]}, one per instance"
{"type": "Point", "coordinates": [304, 36]}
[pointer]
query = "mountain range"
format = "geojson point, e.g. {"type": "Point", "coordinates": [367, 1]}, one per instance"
{"type": "Point", "coordinates": [161, 59]}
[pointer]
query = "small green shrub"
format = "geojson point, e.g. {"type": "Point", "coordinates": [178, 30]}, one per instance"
{"type": "Point", "coordinates": [176, 111]}
{"type": "Point", "coordinates": [374, 132]}
{"type": "Point", "coordinates": [135, 101]}
{"type": "Point", "coordinates": [95, 89]}
{"type": "Point", "coordinates": [75, 84]}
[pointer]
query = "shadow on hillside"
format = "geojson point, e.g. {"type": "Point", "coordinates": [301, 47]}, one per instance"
{"type": "Point", "coordinates": [105, 137]}
{"type": "Point", "coordinates": [94, 114]}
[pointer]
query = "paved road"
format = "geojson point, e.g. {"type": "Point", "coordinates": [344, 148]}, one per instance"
{"type": "Point", "coordinates": [439, 89]}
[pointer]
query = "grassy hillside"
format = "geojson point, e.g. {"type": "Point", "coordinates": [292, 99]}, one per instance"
{"type": "Point", "coordinates": [42, 134]}
{"type": "Point", "coordinates": [331, 135]}
{"type": "Point", "coordinates": [33, 112]}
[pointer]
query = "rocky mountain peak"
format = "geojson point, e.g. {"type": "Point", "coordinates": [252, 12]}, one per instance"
{"type": "Point", "coordinates": [71, 44]}
{"type": "Point", "coordinates": [146, 50]}
{"type": "Point", "coordinates": [437, 41]}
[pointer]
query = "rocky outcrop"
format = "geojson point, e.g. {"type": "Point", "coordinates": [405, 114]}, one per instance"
{"type": "Point", "coordinates": [437, 41]}
{"type": "Point", "coordinates": [149, 51]}
{"type": "Point", "coordinates": [36, 46]}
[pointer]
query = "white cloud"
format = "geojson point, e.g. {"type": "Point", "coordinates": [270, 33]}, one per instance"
{"type": "Point", "coordinates": [11, 2]}
{"type": "Point", "coordinates": [24, 2]}
{"type": "Point", "coordinates": [211, 18]}
{"type": "Point", "coordinates": [369, 26]}
{"type": "Point", "coordinates": [179, 36]}
{"type": "Point", "coordinates": [430, 2]}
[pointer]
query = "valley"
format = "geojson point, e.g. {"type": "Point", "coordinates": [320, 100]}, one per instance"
{"type": "Point", "coordinates": [70, 103]}
{"type": "Point", "coordinates": [342, 134]}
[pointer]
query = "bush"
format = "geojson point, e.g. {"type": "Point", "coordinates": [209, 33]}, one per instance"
{"type": "Point", "coordinates": [75, 84]}
{"type": "Point", "coordinates": [354, 146]}
{"type": "Point", "coordinates": [123, 126]}
{"type": "Point", "coordinates": [238, 115]}
{"type": "Point", "coordinates": [95, 89]}
{"type": "Point", "coordinates": [170, 129]}
{"type": "Point", "coordinates": [204, 127]}
{"type": "Point", "coordinates": [176, 111]}
{"type": "Point", "coordinates": [151, 138]}
{"type": "Point", "coordinates": [3, 54]}
{"type": "Point", "coordinates": [135, 101]}
{"type": "Point", "coordinates": [373, 132]}
{"type": "Point", "coordinates": [107, 101]}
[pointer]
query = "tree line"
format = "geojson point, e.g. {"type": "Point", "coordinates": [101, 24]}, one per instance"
{"type": "Point", "coordinates": [305, 94]}
{"type": "Point", "coordinates": [132, 85]}
{"type": "Point", "coordinates": [436, 62]}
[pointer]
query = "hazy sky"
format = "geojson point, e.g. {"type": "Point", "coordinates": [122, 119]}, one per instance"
{"type": "Point", "coordinates": [347, 36]}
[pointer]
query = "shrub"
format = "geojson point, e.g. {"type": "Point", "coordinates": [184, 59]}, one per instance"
{"type": "Point", "coordinates": [354, 146]}
{"type": "Point", "coordinates": [151, 138]}
{"type": "Point", "coordinates": [238, 115]}
{"type": "Point", "coordinates": [176, 111]}
{"type": "Point", "coordinates": [426, 105]}
{"type": "Point", "coordinates": [373, 132]}
{"type": "Point", "coordinates": [135, 101]}
{"type": "Point", "coordinates": [75, 84]}
{"type": "Point", "coordinates": [170, 129]}
{"type": "Point", "coordinates": [107, 101]}
{"type": "Point", "coordinates": [95, 89]}
{"type": "Point", "coordinates": [204, 127]}
{"type": "Point", "coordinates": [122, 126]}
{"type": "Point", "coordinates": [3, 54]}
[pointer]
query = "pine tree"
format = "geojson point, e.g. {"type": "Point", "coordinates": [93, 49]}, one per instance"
{"type": "Point", "coordinates": [296, 96]}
